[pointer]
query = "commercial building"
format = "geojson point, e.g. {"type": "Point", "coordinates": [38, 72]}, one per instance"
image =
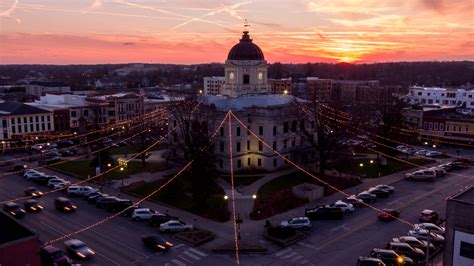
{"type": "Point", "coordinates": [459, 246]}
{"type": "Point", "coordinates": [18, 245]}
{"type": "Point", "coordinates": [41, 88]}
{"type": "Point", "coordinates": [19, 119]}
{"type": "Point", "coordinates": [440, 96]}
{"type": "Point", "coordinates": [273, 117]}
{"type": "Point", "coordinates": [281, 86]}
{"type": "Point", "coordinates": [451, 124]}
{"type": "Point", "coordinates": [213, 85]}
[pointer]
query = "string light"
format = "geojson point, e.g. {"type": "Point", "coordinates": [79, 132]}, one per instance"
{"type": "Point", "coordinates": [234, 215]}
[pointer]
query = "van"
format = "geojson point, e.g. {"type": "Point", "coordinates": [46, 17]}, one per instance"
{"type": "Point", "coordinates": [64, 204]}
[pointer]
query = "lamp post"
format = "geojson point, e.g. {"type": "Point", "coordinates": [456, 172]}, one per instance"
{"type": "Point", "coordinates": [428, 249]}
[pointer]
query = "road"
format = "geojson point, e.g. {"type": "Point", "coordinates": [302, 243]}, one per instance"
{"type": "Point", "coordinates": [117, 242]}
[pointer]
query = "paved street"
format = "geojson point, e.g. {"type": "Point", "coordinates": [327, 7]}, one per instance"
{"type": "Point", "coordinates": [329, 243]}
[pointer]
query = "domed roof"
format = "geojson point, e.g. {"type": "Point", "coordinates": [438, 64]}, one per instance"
{"type": "Point", "coordinates": [245, 50]}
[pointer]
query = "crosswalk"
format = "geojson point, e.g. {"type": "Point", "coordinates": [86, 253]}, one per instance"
{"type": "Point", "coordinates": [187, 256]}
{"type": "Point", "coordinates": [292, 257]}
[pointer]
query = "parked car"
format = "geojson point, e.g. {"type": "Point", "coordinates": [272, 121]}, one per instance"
{"type": "Point", "coordinates": [14, 209]}
{"type": "Point", "coordinates": [102, 202]}
{"type": "Point", "coordinates": [128, 212]}
{"type": "Point", "coordinates": [390, 257]}
{"type": "Point", "coordinates": [160, 218]}
{"type": "Point", "coordinates": [380, 193]}
{"type": "Point", "coordinates": [421, 152]}
{"type": "Point", "coordinates": [55, 183]}
{"type": "Point", "coordinates": [405, 249]}
{"type": "Point", "coordinates": [354, 201]}
{"type": "Point", "coordinates": [175, 226]}
{"type": "Point", "coordinates": [367, 197]}
{"type": "Point", "coordinates": [324, 212]}
{"type": "Point", "coordinates": [440, 172]}
{"type": "Point", "coordinates": [423, 235]}
{"type": "Point", "coordinates": [388, 188]}
{"type": "Point", "coordinates": [446, 166]}
{"type": "Point", "coordinates": [427, 175]}
{"type": "Point", "coordinates": [389, 214]}
{"type": "Point", "coordinates": [368, 261]}
{"type": "Point", "coordinates": [428, 216]}
{"type": "Point", "coordinates": [33, 175]}
{"type": "Point", "coordinates": [460, 165]}
{"type": "Point", "coordinates": [414, 242]}
{"type": "Point", "coordinates": [33, 192]}
{"type": "Point", "coordinates": [344, 206]}
{"type": "Point", "coordinates": [95, 196]}
{"type": "Point", "coordinates": [80, 190]}
{"type": "Point", "coordinates": [143, 214]}
{"type": "Point", "coordinates": [432, 227]}
{"type": "Point", "coordinates": [436, 154]}
{"type": "Point", "coordinates": [51, 255]}
{"type": "Point", "coordinates": [79, 249]}
{"type": "Point", "coordinates": [33, 205]}
{"type": "Point", "coordinates": [118, 206]}
{"type": "Point", "coordinates": [156, 242]}
{"type": "Point", "coordinates": [43, 180]}
{"type": "Point", "coordinates": [64, 204]}
{"type": "Point", "coordinates": [297, 223]}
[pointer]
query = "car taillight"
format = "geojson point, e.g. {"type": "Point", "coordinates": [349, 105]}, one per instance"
{"type": "Point", "coordinates": [67, 208]}
{"type": "Point", "coordinates": [160, 246]}
{"type": "Point", "coordinates": [169, 244]}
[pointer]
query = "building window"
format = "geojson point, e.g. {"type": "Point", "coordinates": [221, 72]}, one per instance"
{"type": "Point", "coordinates": [435, 126]}
{"type": "Point", "coordinates": [43, 127]}
{"type": "Point", "coordinates": [430, 125]}
{"type": "Point", "coordinates": [259, 162]}
{"type": "Point", "coordinates": [274, 145]}
{"type": "Point", "coordinates": [467, 250]}
{"type": "Point", "coordinates": [13, 121]}
{"type": "Point", "coordinates": [294, 124]}
{"type": "Point", "coordinates": [260, 130]}
{"type": "Point", "coordinates": [42, 118]}
{"type": "Point", "coordinates": [285, 127]}
{"type": "Point", "coordinates": [293, 142]}
{"type": "Point", "coordinates": [238, 146]}
{"type": "Point", "coordinates": [13, 129]}
{"type": "Point", "coordinates": [25, 120]}
{"type": "Point", "coordinates": [37, 119]}
{"type": "Point", "coordinates": [246, 79]}
{"type": "Point", "coordinates": [37, 126]}
{"type": "Point", "coordinates": [31, 119]}
{"type": "Point", "coordinates": [222, 146]}
{"type": "Point", "coordinates": [32, 128]}
{"type": "Point", "coordinates": [221, 164]}
{"type": "Point", "coordinates": [248, 161]}
{"type": "Point", "coordinates": [248, 130]}
{"type": "Point", "coordinates": [238, 132]}
{"type": "Point", "coordinates": [441, 126]}
{"type": "Point", "coordinates": [239, 163]}
{"type": "Point", "coordinates": [49, 126]}
{"type": "Point", "coordinates": [274, 162]}
{"type": "Point", "coordinates": [274, 131]}
{"type": "Point", "coordinates": [222, 131]}
{"type": "Point", "coordinates": [285, 143]}
{"type": "Point", "coordinates": [25, 128]}
{"type": "Point", "coordinates": [248, 145]}
{"type": "Point", "coordinates": [86, 112]}
{"type": "Point", "coordinates": [18, 120]}
{"type": "Point", "coordinates": [260, 146]}
{"type": "Point", "coordinates": [19, 129]}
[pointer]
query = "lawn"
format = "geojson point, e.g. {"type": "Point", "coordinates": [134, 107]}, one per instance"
{"type": "Point", "coordinates": [84, 169]}
{"type": "Point", "coordinates": [374, 169]}
{"type": "Point", "coordinates": [178, 193]}
{"type": "Point", "coordinates": [134, 149]}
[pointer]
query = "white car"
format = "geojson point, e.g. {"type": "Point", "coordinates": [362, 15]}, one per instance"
{"type": "Point", "coordinates": [423, 235]}
{"type": "Point", "coordinates": [388, 188]}
{"type": "Point", "coordinates": [143, 214]}
{"type": "Point", "coordinates": [344, 206]}
{"type": "Point", "coordinates": [430, 226]}
{"type": "Point", "coordinates": [175, 226]}
{"type": "Point", "coordinates": [434, 154]}
{"type": "Point", "coordinates": [80, 190]}
{"type": "Point", "coordinates": [422, 152]}
{"type": "Point", "coordinates": [296, 223]}
{"type": "Point", "coordinates": [57, 183]}
{"type": "Point", "coordinates": [33, 175]}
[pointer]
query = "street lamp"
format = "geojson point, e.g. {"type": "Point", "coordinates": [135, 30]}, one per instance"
{"type": "Point", "coordinates": [254, 196]}
{"type": "Point", "coordinates": [426, 142]}
{"type": "Point", "coordinates": [226, 197]}
{"type": "Point", "coordinates": [361, 164]}
{"type": "Point", "coordinates": [109, 165]}
{"type": "Point", "coordinates": [285, 92]}
{"type": "Point", "coordinates": [434, 146]}
{"type": "Point", "coordinates": [371, 161]}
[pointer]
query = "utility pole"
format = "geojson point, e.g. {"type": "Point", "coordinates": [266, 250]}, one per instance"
{"type": "Point", "coordinates": [142, 140]}
{"type": "Point", "coordinates": [428, 249]}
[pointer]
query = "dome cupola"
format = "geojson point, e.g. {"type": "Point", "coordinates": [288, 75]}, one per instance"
{"type": "Point", "coordinates": [245, 50]}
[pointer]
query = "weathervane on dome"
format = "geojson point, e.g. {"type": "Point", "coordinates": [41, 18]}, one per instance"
{"type": "Point", "coordinates": [246, 25]}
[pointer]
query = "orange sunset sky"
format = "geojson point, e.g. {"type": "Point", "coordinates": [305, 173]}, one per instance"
{"type": "Point", "coordinates": [201, 31]}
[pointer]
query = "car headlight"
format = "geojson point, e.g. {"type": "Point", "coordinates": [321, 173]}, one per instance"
{"type": "Point", "coordinates": [400, 260]}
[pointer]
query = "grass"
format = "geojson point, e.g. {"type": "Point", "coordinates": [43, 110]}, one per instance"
{"type": "Point", "coordinates": [134, 149]}
{"type": "Point", "coordinates": [284, 182]}
{"type": "Point", "coordinates": [375, 169]}
{"type": "Point", "coordinates": [179, 194]}
{"type": "Point", "coordinates": [244, 180]}
{"type": "Point", "coordinates": [84, 169]}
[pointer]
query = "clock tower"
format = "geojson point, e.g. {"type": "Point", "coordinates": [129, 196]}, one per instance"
{"type": "Point", "coordinates": [245, 69]}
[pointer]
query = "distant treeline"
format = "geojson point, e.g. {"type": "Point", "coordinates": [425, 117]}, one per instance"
{"type": "Point", "coordinates": [398, 73]}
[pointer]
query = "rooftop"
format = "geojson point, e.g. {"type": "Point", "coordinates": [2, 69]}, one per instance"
{"type": "Point", "coordinates": [466, 195]}
{"type": "Point", "coordinates": [15, 108]}
{"type": "Point", "coordinates": [225, 103]}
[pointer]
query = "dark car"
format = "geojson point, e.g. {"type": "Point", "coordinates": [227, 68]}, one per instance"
{"type": "Point", "coordinates": [95, 196]}
{"type": "Point", "coordinates": [367, 197]}
{"type": "Point", "coordinates": [51, 255]}
{"type": "Point", "coordinates": [405, 249]}
{"type": "Point", "coordinates": [415, 242]}
{"type": "Point", "coordinates": [33, 205]}
{"type": "Point", "coordinates": [156, 242]}
{"type": "Point", "coordinates": [380, 193]}
{"type": "Point", "coordinates": [118, 206]}
{"type": "Point", "coordinates": [388, 214]}
{"type": "Point", "coordinates": [158, 219]}
{"type": "Point", "coordinates": [64, 204]}
{"type": "Point", "coordinates": [128, 212]}
{"type": "Point", "coordinates": [43, 180]}
{"type": "Point", "coordinates": [428, 216]}
{"type": "Point", "coordinates": [14, 209]}
{"type": "Point", "coordinates": [79, 249]}
{"type": "Point", "coordinates": [368, 261]}
{"type": "Point", "coordinates": [357, 203]}
{"type": "Point", "coordinates": [457, 165]}
{"type": "Point", "coordinates": [104, 201]}
{"type": "Point", "coordinates": [324, 212]}
{"type": "Point", "coordinates": [390, 257]}
{"type": "Point", "coordinates": [33, 192]}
